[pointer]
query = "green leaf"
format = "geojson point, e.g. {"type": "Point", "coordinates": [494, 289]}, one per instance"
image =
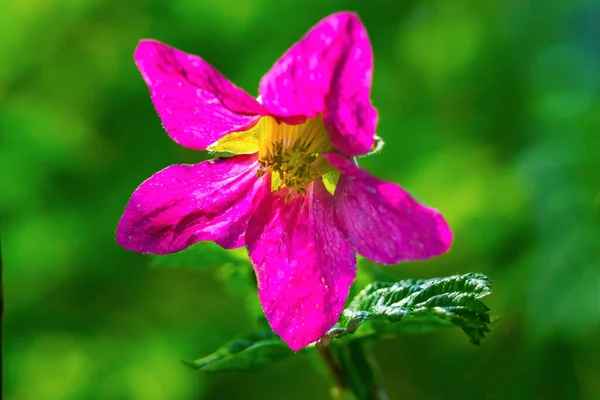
{"type": "Point", "coordinates": [244, 353]}
{"type": "Point", "coordinates": [421, 305]}
{"type": "Point", "coordinates": [240, 281]}
{"type": "Point", "coordinates": [203, 255]}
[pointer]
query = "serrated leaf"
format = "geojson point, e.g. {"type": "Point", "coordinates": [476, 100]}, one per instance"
{"type": "Point", "coordinates": [203, 255]}
{"type": "Point", "coordinates": [244, 353]}
{"type": "Point", "coordinates": [420, 304]}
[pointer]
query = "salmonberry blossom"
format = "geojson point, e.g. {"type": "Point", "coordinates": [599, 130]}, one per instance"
{"type": "Point", "coordinates": [273, 194]}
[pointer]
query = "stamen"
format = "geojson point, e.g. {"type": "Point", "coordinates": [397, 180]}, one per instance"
{"type": "Point", "coordinates": [292, 153]}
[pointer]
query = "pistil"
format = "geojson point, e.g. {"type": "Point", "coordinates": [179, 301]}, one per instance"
{"type": "Point", "coordinates": [292, 153]}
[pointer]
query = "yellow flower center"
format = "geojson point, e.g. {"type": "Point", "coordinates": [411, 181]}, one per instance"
{"type": "Point", "coordinates": [292, 153]}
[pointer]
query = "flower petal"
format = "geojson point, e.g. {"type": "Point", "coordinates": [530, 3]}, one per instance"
{"type": "Point", "coordinates": [197, 105]}
{"type": "Point", "coordinates": [384, 223]}
{"type": "Point", "coordinates": [185, 204]}
{"type": "Point", "coordinates": [303, 265]}
{"type": "Point", "coordinates": [328, 71]}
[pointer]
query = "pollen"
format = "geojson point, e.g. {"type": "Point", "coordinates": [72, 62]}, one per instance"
{"type": "Point", "coordinates": [292, 153]}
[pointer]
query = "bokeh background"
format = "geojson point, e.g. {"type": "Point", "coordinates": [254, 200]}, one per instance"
{"type": "Point", "coordinates": [490, 111]}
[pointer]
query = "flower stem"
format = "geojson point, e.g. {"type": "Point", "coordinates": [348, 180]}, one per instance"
{"type": "Point", "coordinates": [341, 382]}
{"type": "Point", "coordinates": [352, 370]}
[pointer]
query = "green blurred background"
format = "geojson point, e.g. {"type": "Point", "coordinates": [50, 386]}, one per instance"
{"type": "Point", "coordinates": [490, 112]}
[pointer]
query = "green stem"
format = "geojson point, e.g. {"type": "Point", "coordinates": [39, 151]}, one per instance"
{"type": "Point", "coordinates": [352, 369]}
{"type": "Point", "coordinates": [341, 382]}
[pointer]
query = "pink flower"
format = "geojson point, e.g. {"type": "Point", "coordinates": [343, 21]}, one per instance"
{"type": "Point", "coordinates": [314, 115]}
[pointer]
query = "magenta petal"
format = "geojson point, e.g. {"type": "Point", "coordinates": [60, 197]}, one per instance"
{"type": "Point", "coordinates": [197, 105]}
{"type": "Point", "coordinates": [303, 265]}
{"type": "Point", "coordinates": [185, 204]}
{"type": "Point", "coordinates": [384, 223]}
{"type": "Point", "coordinates": [328, 71]}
